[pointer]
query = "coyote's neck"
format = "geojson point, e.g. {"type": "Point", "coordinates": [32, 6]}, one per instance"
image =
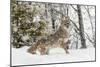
{"type": "Point", "coordinates": [63, 27]}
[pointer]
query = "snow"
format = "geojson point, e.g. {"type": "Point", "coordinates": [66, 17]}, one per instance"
{"type": "Point", "coordinates": [26, 37]}
{"type": "Point", "coordinates": [15, 29]}
{"type": "Point", "coordinates": [36, 19]}
{"type": "Point", "coordinates": [56, 55]}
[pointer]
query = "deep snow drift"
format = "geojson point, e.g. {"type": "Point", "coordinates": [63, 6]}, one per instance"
{"type": "Point", "coordinates": [57, 55]}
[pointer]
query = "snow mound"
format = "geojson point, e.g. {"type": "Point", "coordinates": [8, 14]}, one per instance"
{"type": "Point", "coordinates": [57, 55]}
{"type": "Point", "coordinates": [57, 51]}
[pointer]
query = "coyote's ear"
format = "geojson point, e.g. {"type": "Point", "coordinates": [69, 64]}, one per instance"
{"type": "Point", "coordinates": [65, 18]}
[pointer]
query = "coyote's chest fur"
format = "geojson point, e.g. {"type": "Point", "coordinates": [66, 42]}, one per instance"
{"type": "Point", "coordinates": [58, 39]}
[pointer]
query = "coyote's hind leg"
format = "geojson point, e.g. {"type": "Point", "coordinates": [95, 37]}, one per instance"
{"type": "Point", "coordinates": [32, 50]}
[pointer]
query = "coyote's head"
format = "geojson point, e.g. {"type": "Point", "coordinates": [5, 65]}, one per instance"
{"type": "Point", "coordinates": [65, 21]}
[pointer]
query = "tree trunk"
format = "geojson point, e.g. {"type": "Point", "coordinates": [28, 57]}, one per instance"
{"type": "Point", "coordinates": [52, 18]}
{"type": "Point", "coordinates": [46, 11]}
{"type": "Point", "coordinates": [81, 27]}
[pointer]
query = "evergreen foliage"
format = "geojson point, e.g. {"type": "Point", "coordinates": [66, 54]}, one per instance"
{"type": "Point", "coordinates": [23, 27]}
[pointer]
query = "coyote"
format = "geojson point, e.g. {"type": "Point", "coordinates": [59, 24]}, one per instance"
{"type": "Point", "coordinates": [58, 39]}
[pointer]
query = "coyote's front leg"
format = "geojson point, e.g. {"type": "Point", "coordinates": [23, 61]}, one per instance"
{"type": "Point", "coordinates": [65, 46]}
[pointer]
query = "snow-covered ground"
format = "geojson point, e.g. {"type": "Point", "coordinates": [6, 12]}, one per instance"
{"type": "Point", "coordinates": [57, 55]}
